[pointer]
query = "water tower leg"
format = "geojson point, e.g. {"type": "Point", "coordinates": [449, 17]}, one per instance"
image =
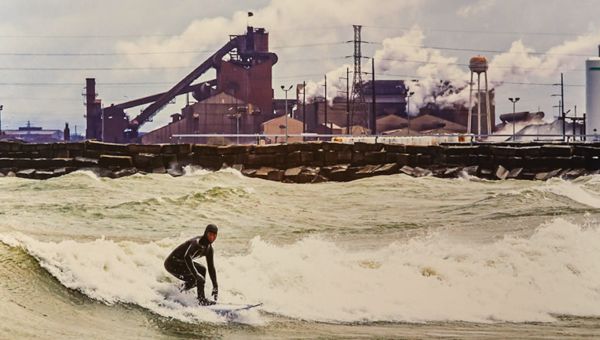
{"type": "Point", "coordinates": [470, 117]}
{"type": "Point", "coordinates": [478, 104]}
{"type": "Point", "coordinates": [488, 106]}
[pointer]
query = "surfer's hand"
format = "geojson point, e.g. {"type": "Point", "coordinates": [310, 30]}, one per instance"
{"type": "Point", "coordinates": [215, 293]}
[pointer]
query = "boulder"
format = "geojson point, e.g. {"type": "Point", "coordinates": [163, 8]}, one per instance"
{"type": "Point", "coordinates": [276, 175]}
{"type": "Point", "coordinates": [407, 170]}
{"type": "Point", "coordinates": [144, 148]}
{"type": "Point", "coordinates": [574, 173]}
{"type": "Point", "coordinates": [450, 172]}
{"type": "Point", "coordinates": [387, 169]}
{"type": "Point", "coordinates": [375, 157]}
{"type": "Point", "coordinates": [501, 172]}
{"type": "Point", "coordinates": [366, 171]}
{"type": "Point", "coordinates": [106, 148]}
{"type": "Point", "coordinates": [420, 172]}
{"type": "Point", "coordinates": [514, 173]}
{"type": "Point", "coordinates": [556, 150]}
{"type": "Point", "coordinates": [340, 173]}
{"type": "Point", "coordinates": [456, 150]}
{"type": "Point", "coordinates": [485, 173]}
{"type": "Point", "coordinates": [364, 147]}
{"type": "Point", "coordinates": [263, 172]}
{"type": "Point", "coordinates": [26, 173]}
{"type": "Point", "coordinates": [175, 171]}
{"type": "Point", "coordinates": [293, 172]}
{"type": "Point", "coordinates": [471, 170]}
{"type": "Point", "coordinates": [110, 161]}
{"type": "Point", "coordinates": [543, 176]}
{"type": "Point", "coordinates": [319, 179]}
{"type": "Point", "coordinates": [43, 174]}
{"type": "Point", "coordinates": [249, 172]}
{"type": "Point", "coordinates": [147, 161]}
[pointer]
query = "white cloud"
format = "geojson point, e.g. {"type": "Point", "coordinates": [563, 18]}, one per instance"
{"type": "Point", "coordinates": [201, 25]}
{"type": "Point", "coordinates": [478, 7]}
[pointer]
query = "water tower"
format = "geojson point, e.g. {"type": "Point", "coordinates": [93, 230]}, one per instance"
{"type": "Point", "coordinates": [479, 65]}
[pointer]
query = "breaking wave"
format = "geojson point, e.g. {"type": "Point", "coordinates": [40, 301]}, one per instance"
{"type": "Point", "coordinates": [554, 271]}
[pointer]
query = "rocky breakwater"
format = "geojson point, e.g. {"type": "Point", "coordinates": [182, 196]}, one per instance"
{"type": "Point", "coordinates": [306, 162]}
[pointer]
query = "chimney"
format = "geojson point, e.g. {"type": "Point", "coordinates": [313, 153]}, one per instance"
{"type": "Point", "coordinates": [67, 133]}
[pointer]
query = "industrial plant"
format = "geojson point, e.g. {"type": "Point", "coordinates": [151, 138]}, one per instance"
{"type": "Point", "coordinates": [240, 101]}
{"type": "Point", "coordinates": [239, 107]}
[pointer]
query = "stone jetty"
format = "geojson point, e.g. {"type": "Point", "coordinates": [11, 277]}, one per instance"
{"type": "Point", "coordinates": [310, 162]}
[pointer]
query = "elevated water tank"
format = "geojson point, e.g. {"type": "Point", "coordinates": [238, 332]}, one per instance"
{"type": "Point", "coordinates": [592, 96]}
{"type": "Point", "coordinates": [478, 64]}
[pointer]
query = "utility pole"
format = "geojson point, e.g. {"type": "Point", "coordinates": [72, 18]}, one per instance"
{"type": "Point", "coordinates": [325, 118]}
{"type": "Point", "coordinates": [562, 109]}
{"type": "Point", "coordinates": [304, 106]}
{"type": "Point", "coordinates": [514, 101]}
{"type": "Point", "coordinates": [408, 94]}
{"type": "Point", "coordinates": [286, 110]}
{"type": "Point", "coordinates": [347, 92]}
{"type": "Point", "coordinates": [1, 107]}
{"type": "Point", "coordinates": [373, 113]}
{"type": "Point", "coordinates": [347, 100]}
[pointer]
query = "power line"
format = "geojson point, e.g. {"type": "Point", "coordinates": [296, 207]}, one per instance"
{"type": "Point", "coordinates": [108, 84]}
{"type": "Point", "coordinates": [165, 35]}
{"type": "Point", "coordinates": [90, 68]}
{"type": "Point", "coordinates": [467, 65]}
{"type": "Point", "coordinates": [141, 53]}
{"type": "Point", "coordinates": [104, 54]}
{"type": "Point", "coordinates": [408, 76]}
{"type": "Point", "coordinates": [291, 28]}
{"type": "Point", "coordinates": [136, 68]}
{"type": "Point", "coordinates": [519, 33]}
{"type": "Point", "coordinates": [95, 54]}
{"type": "Point", "coordinates": [493, 51]}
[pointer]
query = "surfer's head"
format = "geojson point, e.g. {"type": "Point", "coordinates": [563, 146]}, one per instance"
{"type": "Point", "coordinates": [211, 232]}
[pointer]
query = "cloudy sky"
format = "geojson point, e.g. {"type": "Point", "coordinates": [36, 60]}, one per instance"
{"type": "Point", "coordinates": [136, 48]}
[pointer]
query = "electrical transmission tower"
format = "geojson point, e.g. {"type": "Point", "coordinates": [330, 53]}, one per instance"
{"type": "Point", "coordinates": [358, 113]}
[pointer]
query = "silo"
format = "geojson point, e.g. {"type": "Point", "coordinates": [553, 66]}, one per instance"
{"type": "Point", "coordinates": [592, 96]}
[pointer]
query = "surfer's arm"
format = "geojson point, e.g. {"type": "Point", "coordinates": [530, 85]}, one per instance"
{"type": "Point", "coordinates": [211, 268]}
{"type": "Point", "coordinates": [189, 261]}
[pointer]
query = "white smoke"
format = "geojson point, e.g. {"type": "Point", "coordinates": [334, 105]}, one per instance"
{"type": "Point", "coordinates": [521, 63]}
{"type": "Point", "coordinates": [336, 84]}
{"type": "Point", "coordinates": [401, 57]}
{"type": "Point", "coordinates": [405, 55]}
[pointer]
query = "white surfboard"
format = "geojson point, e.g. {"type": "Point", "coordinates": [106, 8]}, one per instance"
{"type": "Point", "coordinates": [231, 310]}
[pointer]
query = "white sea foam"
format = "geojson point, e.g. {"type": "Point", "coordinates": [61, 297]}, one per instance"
{"type": "Point", "coordinates": [554, 271]}
{"type": "Point", "coordinates": [572, 190]}
{"type": "Point", "coordinates": [191, 170]}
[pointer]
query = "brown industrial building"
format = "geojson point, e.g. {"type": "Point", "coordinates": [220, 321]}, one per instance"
{"type": "Point", "coordinates": [238, 100]}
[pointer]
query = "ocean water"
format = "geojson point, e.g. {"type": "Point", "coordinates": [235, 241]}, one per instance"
{"type": "Point", "coordinates": [385, 257]}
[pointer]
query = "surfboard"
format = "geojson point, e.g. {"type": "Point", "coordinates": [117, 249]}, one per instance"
{"type": "Point", "coordinates": [231, 310]}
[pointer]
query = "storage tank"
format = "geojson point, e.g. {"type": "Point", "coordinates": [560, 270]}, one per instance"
{"type": "Point", "coordinates": [592, 96]}
{"type": "Point", "coordinates": [478, 64]}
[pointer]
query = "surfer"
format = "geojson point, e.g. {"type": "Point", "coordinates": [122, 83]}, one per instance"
{"type": "Point", "coordinates": [180, 263]}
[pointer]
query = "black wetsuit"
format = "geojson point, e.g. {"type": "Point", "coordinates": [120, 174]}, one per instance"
{"type": "Point", "coordinates": [180, 263]}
